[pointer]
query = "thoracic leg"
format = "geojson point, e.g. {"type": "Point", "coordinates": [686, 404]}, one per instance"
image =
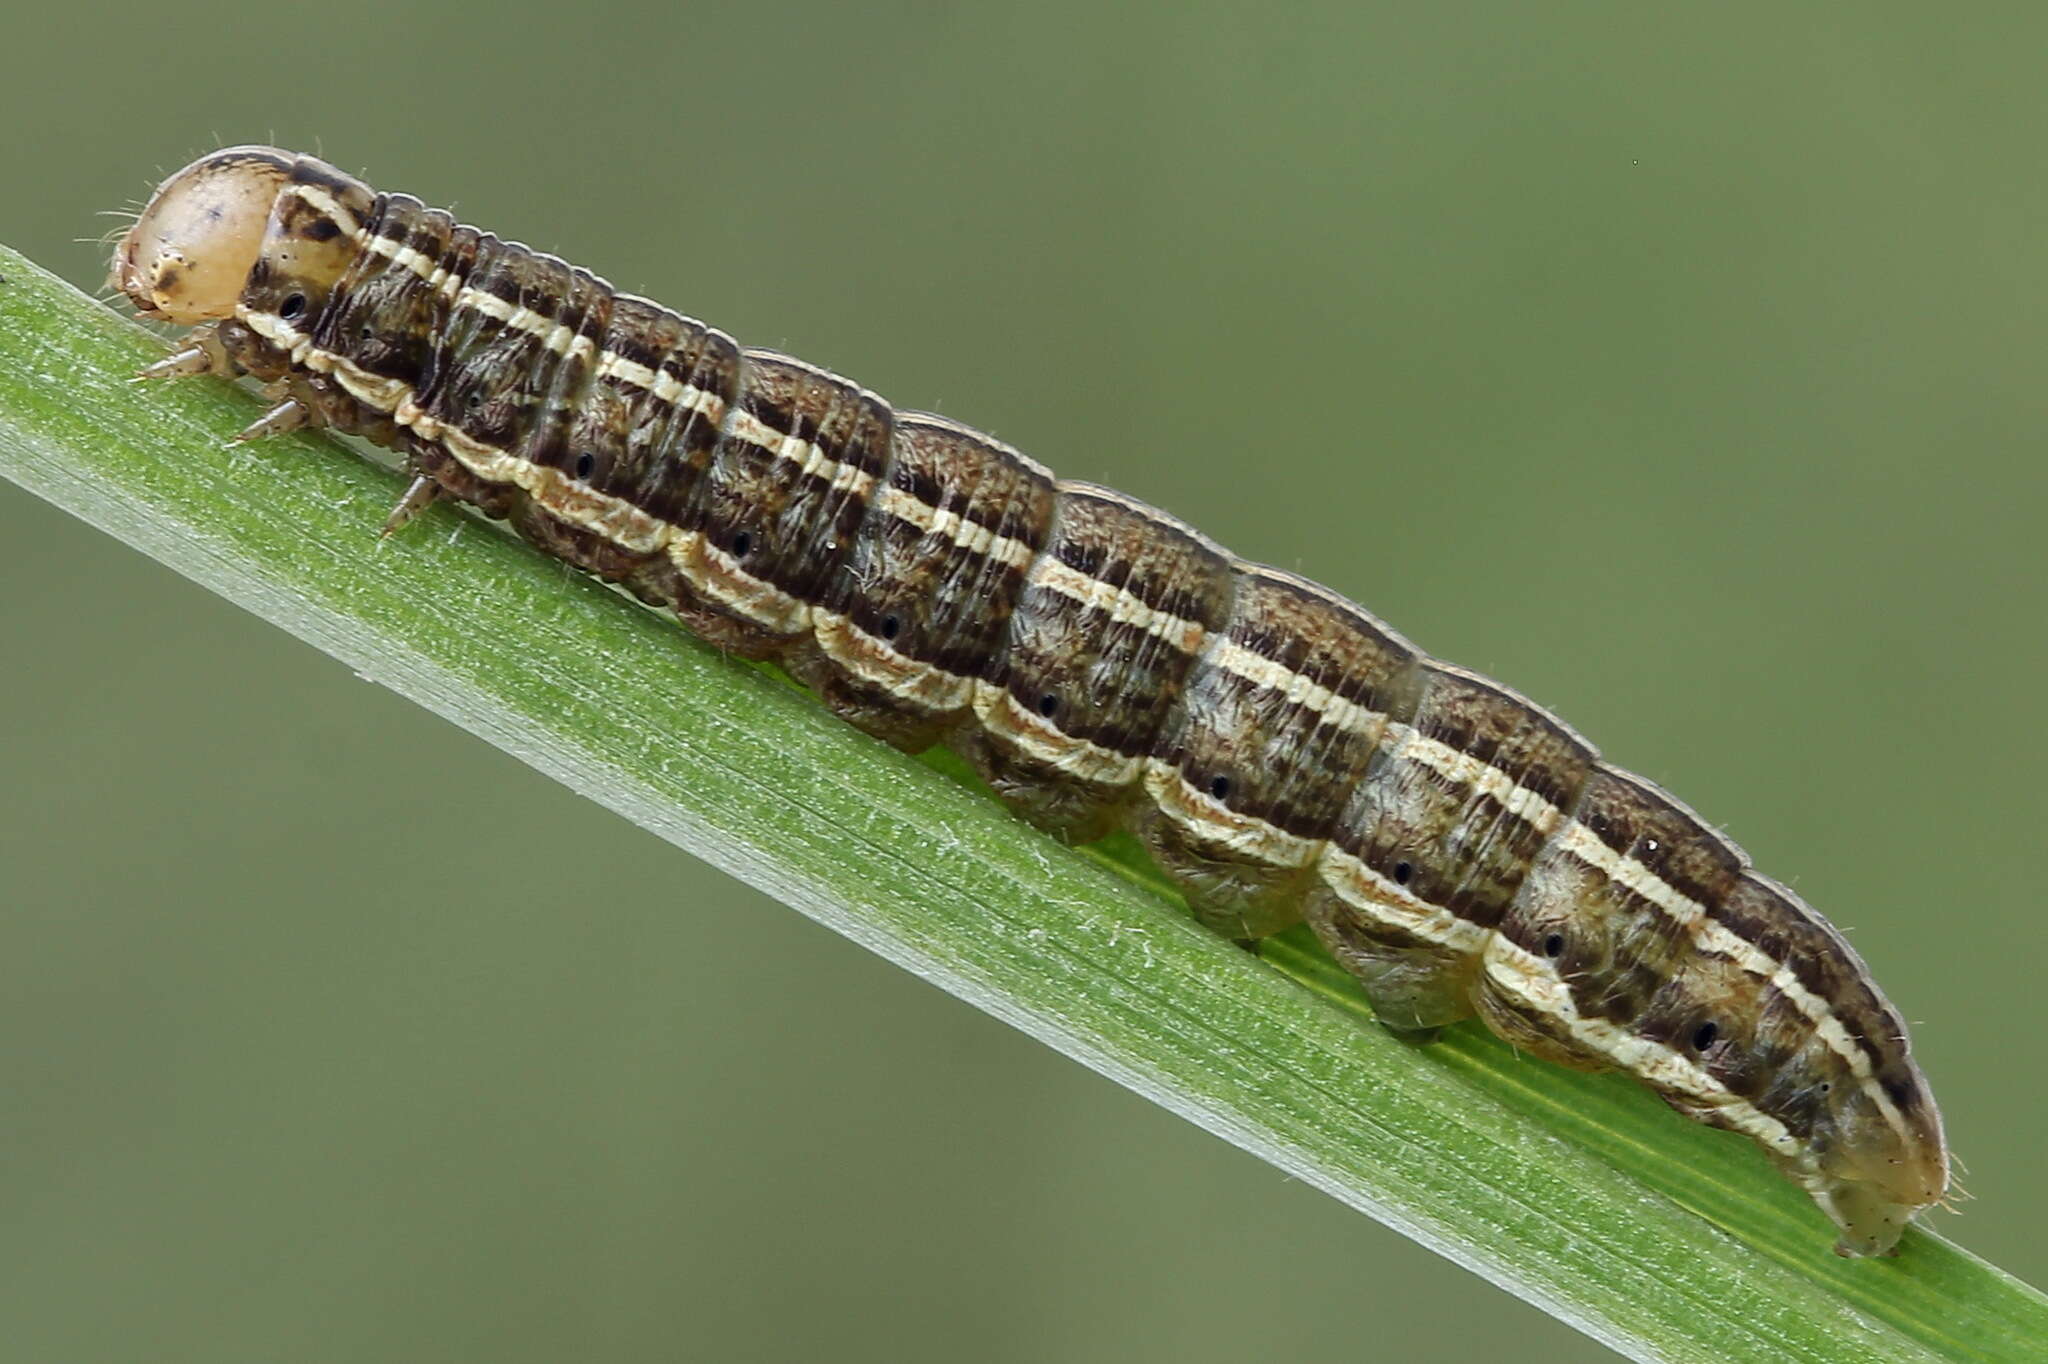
{"type": "Point", "coordinates": [202, 353]}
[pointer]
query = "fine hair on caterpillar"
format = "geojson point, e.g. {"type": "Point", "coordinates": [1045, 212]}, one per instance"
{"type": "Point", "coordinates": [1282, 754]}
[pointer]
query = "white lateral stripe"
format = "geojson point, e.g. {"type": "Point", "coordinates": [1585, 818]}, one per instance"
{"type": "Point", "coordinates": [880, 662]}
{"type": "Point", "coordinates": [403, 254]}
{"type": "Point", "coordinates": [784, 611]}
{"type": "Point", "coordinates": [1709, 934]}
{"type": "Point", "coordinates": [1536, 982]}
{"type": "Point", "coordinates": [1222, 827]}
{"type": "Point", "coordinates": [949, 524]}
{"type": "Point", "coordinates": [1297, 688]}
{"type": "Point", "coordinates": [1120, 604]}
{"type": "Point", "coordinates": [555, 336]}
{"type": "Point", "coordinates": [1520, 801]}
{"type": "Point", "coordinates": [378, 394]}
{"type": "Point", "coordinates": [662, 384]}
{"type": "Point", "coordinates": [552, 335]}
{"type": "Point", "coordinates": [1395, 905]}
{"type": "Point", "coordinates": [1045, 741]}
{"type": "Point", "coordinates": [1714, 936]}
{"type": "Point", "coordinates": [437, 276]}
{"type": "Point", "coordinates": [807, 456]}
{"type": "Point", "coordinates": [489, 304]}
{"type": "Point", "coordinates": [488, 461]}
{"type": "Point", "coordinates": [612, 365]}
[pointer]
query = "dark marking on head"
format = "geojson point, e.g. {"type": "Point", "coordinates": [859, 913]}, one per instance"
{"type": "Point", "coordinates": [311, 171]}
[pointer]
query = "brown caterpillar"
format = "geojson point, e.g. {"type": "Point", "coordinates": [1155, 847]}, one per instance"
{"type": "Point", "coordinates": [1282, 753]}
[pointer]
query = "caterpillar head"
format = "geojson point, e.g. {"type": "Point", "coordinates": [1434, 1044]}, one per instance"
{"type": "Point", "coordinates": [231, 220]}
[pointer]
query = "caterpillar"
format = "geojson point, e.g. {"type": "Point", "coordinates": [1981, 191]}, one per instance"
{"type": "Point", "coordinates": [1281, 753]}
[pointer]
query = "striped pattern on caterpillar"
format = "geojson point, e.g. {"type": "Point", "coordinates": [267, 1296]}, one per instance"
{"type": "Point", "coordinates": [1282, 753]}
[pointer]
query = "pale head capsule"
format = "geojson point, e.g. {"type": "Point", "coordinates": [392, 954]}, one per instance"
{"type": "Point", "coordinates": [246, 245]}
{"type": "Point", "coordinates": [216, 229]}
{"type": "Point", "coordinates": [185, 258]}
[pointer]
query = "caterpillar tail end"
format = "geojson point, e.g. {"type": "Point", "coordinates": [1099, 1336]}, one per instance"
{"type": "Point", "coordinates": [1871, 1223]}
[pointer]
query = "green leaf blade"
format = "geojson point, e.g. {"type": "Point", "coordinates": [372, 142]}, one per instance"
{"type": "Point", "coordinates": [1578, 1193]}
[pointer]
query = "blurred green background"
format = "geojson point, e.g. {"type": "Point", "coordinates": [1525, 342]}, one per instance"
{"type": "Point", "coordinates": [1679, 368]}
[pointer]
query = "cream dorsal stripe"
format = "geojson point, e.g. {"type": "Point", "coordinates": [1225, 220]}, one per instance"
{"type": "Point", "coordinates": [1103, 666]}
